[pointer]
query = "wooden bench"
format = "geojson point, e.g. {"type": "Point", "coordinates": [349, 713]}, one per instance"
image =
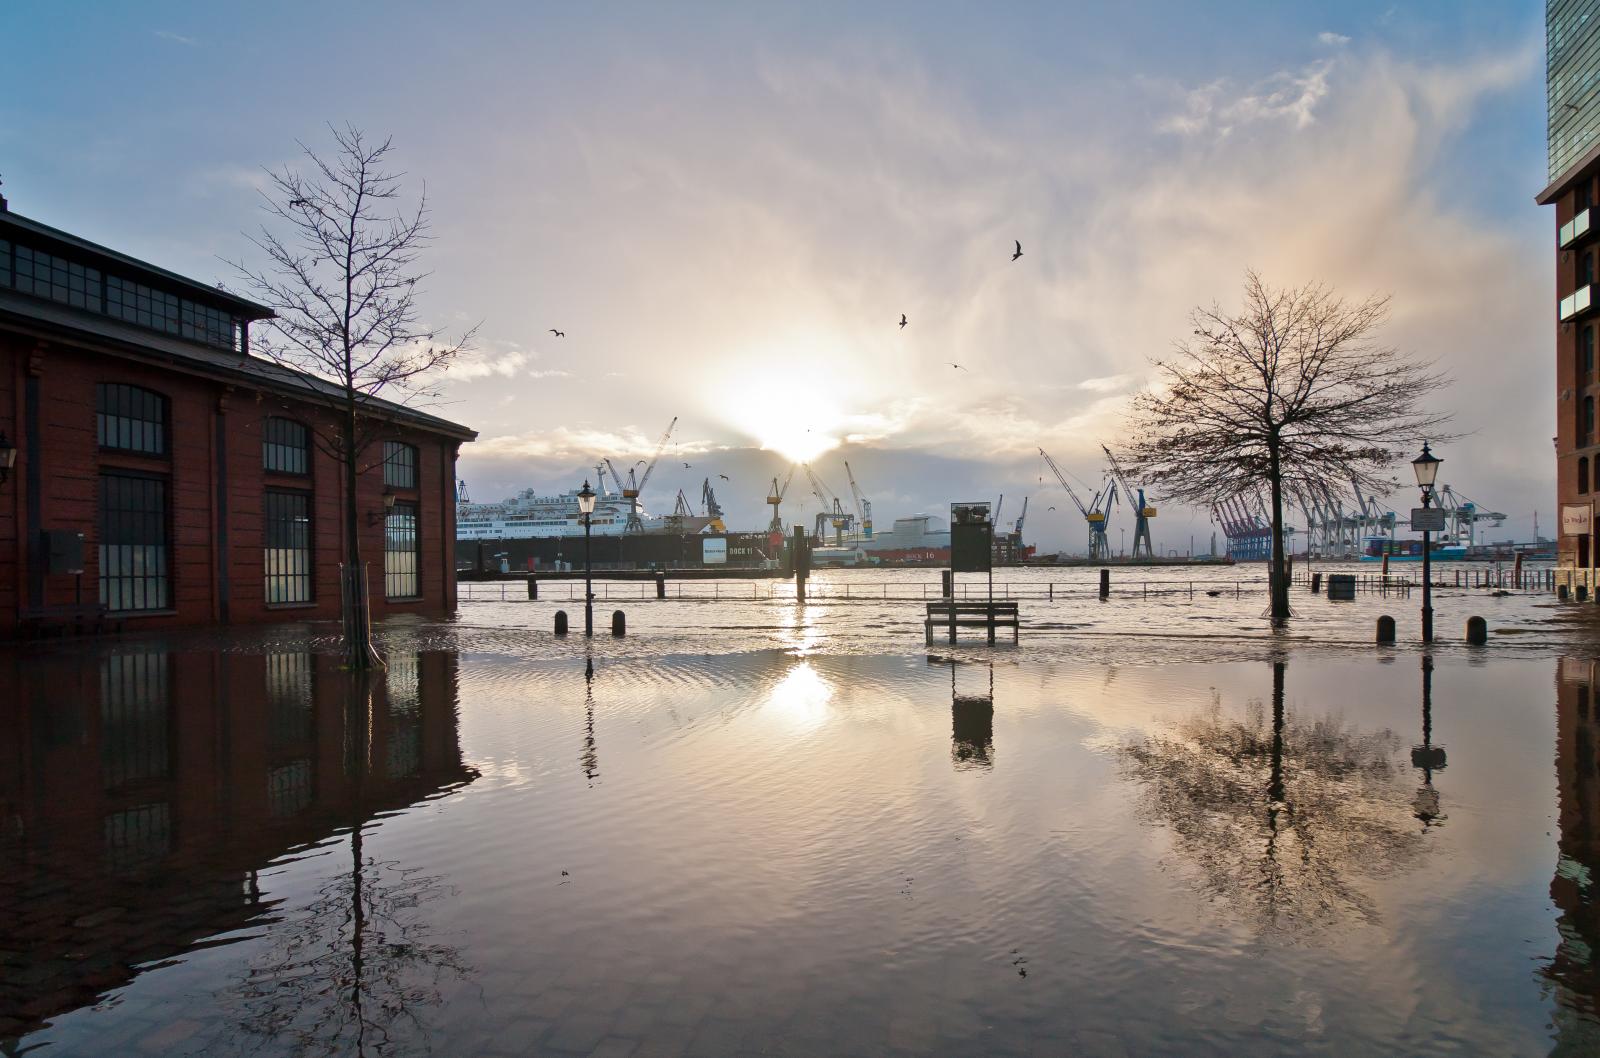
{"type": "Point", "coordinates": [67, 619]}
{"type": "Point", "coordinates": [966, 614]}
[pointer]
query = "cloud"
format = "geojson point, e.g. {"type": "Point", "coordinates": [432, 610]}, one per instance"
{"type": "Point", "coordinates": [166, 34]}
{"type": "Point", "coordinates": [1215, 108]}
{"type": "Point", "coordinates": [1333, 40]}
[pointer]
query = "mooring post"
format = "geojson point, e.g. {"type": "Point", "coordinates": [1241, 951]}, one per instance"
{"type": "Point", "coordinates": [1316, 583]}
{"type": "Point", "coordinates": [1477, 631]}
{"type": "Point", "coordinates": [800, 553]}
{"type": "Point", "coordinates": [619, 623]}
{"type": "Point", "coordinates": [1386, 629]}
{"type": "Point", "coordinates": [561, 622]}
{"type": "Point", "coordinates": [1105, 583]}
{"type": "Point", "coordinates": [533, 588]}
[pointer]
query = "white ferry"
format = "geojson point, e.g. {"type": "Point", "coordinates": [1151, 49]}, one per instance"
{"type": "Point", "coordinates": [528, 515]}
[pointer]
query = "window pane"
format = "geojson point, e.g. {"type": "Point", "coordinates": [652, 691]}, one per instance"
{"type": "Point", "coordinates": [285, 446]}
{"type": "Point", "coordinates": [130, 418]}
{"type": "Point", "coordinates": [399, 465]}
{"type": "Point", "coordinates": [287, 557]}
{"type": "Point", "coordinates": [133, 543]}
{"type": "Point", "coordinates": [400, 553]}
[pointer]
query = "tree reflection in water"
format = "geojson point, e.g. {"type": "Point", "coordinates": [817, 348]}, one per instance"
{"type": "Point", "coordinates": [1282, 818]}
{"type": "Point", "coordinates": [356, 968]}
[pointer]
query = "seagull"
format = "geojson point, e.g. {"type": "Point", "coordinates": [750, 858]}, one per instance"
{"type": "Point", "coordinates": [903, 321]}
{"type": "Point", "coordinates": [297, 203]}
{"type": "Point", "coordinates": [686, 466]}
{"type": "Point", "coordinates": [1019, 250]}
{"type": "Point", "coordinates": [1049, 508]}
{"type": "Point", "coordinates": [558, 334]}
{"type": "Point", "coordinates": [724, 477]}
{"type": "Point", "coordinates": [957, 366]}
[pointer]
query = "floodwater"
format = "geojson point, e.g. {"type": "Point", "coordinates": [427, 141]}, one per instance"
{"type": "Point", "coordinates": [807, 833]}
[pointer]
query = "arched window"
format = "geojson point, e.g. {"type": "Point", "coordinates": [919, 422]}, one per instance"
{"type": "Point", "coordinates": [1583, 474]}
{"type": "Point", "coordinates": [285, 446]}
{"type": "Point", "coordinates": [399, 465]}
{"type": "Point", "coordinates": [130, 418]}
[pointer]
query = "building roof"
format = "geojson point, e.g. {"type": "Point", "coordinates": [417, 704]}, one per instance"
{"type": "Point", "coordinates": [1580, 168]}
{"type": "Point", "coordinates": [106, 259]}
{"type": "Point", "coordinates": [51, 319]}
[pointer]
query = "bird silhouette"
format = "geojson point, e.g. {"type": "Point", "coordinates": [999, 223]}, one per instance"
{"type": "Point", "coordinates": [903, 321]}
{"type": "Point", "coordinates": [724, 477]}
{"type": "Point", "coordinates": [957, 366]}
{"type": "Point", "coordinates": [686, 466]}
{"type": "Point", "coordinates": [1049, 508]}
{"type": "Point", "coordinates": [558, 334]}
{"type": "Point", "coordinates": [1019, 250]}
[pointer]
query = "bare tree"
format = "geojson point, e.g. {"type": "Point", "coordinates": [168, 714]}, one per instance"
{"type": "Point", "coordinates": [1292, 390]}
{"type": "Point", "coordinates": [342, 274]}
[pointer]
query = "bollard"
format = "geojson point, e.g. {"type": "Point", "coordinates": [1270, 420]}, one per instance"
{"type": "Point", "coordinates": [1386, 629]}
{"type": "Point", "coordinates": [533, 588]}
{"type": "Point", "coordinates": [1582, 592]}
{"type": "Point", "coordinates": [619, 623]}
{"type": "Point", "coordinates": [1105, 583]}
{"type": "Point", "coordinates": [661, 585]}
{"type": "Point", "coordinates": [1477, 631]}
{"type": "Point", "coordinates": [561, 622]}
{"type": "Point", "coordinates": [1316, 583]}
{"type": "Point", "coordinates": [1561, 593]}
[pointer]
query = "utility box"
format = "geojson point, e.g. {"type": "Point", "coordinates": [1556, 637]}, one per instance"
{"type": "Point", "coordinates": [63, 549]}
{"type": "Point", "coordinates": [1341, 587]}
{"type": "Point", "coordinates": [971, 538]}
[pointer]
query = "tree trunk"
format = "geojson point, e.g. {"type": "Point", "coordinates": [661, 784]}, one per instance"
{"type": "Point", "coordinates": [354, 595]}
{"type": "Point", "coordinates": [1278, 577]}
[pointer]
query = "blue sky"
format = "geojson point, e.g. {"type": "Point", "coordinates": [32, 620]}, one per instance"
{"type": "Point", "coordinates": [727, 208]}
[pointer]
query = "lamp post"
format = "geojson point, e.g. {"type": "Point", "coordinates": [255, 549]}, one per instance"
{"type": "Point", "coordinates": [586, 508]}
{"type": "Point", "coordinates": [1426, 467]}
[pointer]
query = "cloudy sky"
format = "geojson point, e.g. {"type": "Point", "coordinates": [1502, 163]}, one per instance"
{"type": "Point", "coordinates": [727, 208]}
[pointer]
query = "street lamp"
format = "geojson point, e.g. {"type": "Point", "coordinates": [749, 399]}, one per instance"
{"type": "Point", "coordinates": [586, 508]}
{"type": "Point", "coordinates": [1426, 467]}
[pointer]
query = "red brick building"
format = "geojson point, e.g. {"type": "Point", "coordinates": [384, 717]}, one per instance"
{"type": "Point", "coordinates": [141, 421]}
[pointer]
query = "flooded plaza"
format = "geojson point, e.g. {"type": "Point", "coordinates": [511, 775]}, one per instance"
{"type": "Point", "coordinates": [755, 827]}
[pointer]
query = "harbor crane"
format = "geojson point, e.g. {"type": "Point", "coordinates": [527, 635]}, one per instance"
{"type": "Point", "coordinates": [708, 496]}
{"type": "Point", "coordinates": [832, 509]}
{"type": "Point", "coordinates": [1142, 511]}
{"type": "Point", "coordinates": [678, 520]}
{"type": "Point", "coordinates": [775, 497]}
{"type": "Point", "coordinates": [863, 505]}
{"type": "Point", "coordinates": [634, 486]}
{"type": "Point", "coordinates": [1093, 513]}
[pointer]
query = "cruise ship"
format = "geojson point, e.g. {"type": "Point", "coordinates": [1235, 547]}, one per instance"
{"type": "Point", "coordinates": [528, 515]}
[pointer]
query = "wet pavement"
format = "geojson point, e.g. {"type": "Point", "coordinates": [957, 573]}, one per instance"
{"type": "Point", "coordinates": [814, 836]}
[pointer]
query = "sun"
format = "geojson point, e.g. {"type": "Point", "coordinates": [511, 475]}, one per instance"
{"type": "Point", "coordinates": [797, 416]}
{"type": "Point", "coordinates": [798, 444]}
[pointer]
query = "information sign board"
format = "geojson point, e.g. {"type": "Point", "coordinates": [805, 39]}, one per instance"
{"type": "Point", "coordinates": [1427, 519]}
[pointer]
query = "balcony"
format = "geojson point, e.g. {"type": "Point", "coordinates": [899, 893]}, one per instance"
{"type": "Point", "coordinates": [1576, 303]}
{"type": "Point", "coordinates": [1573, 230]}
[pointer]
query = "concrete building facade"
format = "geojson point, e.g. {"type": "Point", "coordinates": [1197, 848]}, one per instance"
{"type": "Point", "coordinates": [163, 475]}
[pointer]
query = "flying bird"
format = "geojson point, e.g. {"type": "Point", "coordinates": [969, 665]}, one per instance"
{"type": "Point", "coordinates": [686, 466]}
{"type": "Point", "coordinates": [957, 366]}
{"type": "Point", "coordinates": [1019, 250]}
{"type": "Point", "coordinates": [558, 334]}
{"type": "Point", "coordinates": [724, 477]}
{"type": "Point", "coordinates": [1049, 508]}
{"type": "Point", "coordinates": [903, 321]}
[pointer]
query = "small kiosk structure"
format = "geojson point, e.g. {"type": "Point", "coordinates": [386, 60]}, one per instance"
{"type": "Point", "coordinates": [971, 551]}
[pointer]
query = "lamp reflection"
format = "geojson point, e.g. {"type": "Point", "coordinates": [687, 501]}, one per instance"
{"type": "Point", "coordinates": [1427, 758]}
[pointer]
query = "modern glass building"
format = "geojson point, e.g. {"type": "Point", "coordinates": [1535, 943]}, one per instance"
{"type": "Point", "coordinates": [1572, 81]}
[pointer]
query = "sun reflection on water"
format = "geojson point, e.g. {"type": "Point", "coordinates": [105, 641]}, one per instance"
{"type": "Point", "coordinates": [801, 698]}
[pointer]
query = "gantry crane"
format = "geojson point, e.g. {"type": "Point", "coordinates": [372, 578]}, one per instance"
{"type": "Point", "coordinates": [708, 497]}
{"type": "Point", "coordinates": [775, 497]}
{"type": "Point", "coordinates": [631, 490]}
{"type": "Point", "coordinates": [863, 505]}
{"type": "Point", "coordinates": [1094, 513]}
{"type": "Point", "coordinates": [678, 520]}
{"type": "Point", "coordinates": [832, 509]}
{"type": "Point", "coordinates": [1142, 512]}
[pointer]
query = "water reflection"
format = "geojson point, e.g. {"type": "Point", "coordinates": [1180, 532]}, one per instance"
{"type": "Point", "coordinates": [1427, 757]}
{"type": "Point", "coordinates": [1284, 819]}
{"type": "Point", "coordinates": [971, 726]}
{"type": "Point", "coordinates": [1574, 971]}
{"type": "Point", "coordinates": [142, 794]}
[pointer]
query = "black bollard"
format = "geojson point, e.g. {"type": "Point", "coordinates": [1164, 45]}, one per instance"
{"type": "Point", "coordinates": [1477, 631]}
{"type": "Point", "coordinates": [1105, 583]}
{"type": "Point", "coordinates": [561, 622]}
{"type": "Point", "coordinates": [661, 585]}
{"type": "Point", "coordinates": [1582, 594]}
{"type": "Point", "coordinates": [1316, 583]}
{"type": "Point", "coordinates": [1386, 629]}
{"type": "Point", "coordinates": [619, 623]}
{"type": "Point", "coordinates": [533, 588]}
{"type": "Point", "coordinates": [1561, 592]}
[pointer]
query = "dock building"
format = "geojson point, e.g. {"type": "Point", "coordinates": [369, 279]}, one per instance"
{"type": "Point", "coordinates": [1572, 85]}
{"type": "Point", "coordinates": [153, 472]}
